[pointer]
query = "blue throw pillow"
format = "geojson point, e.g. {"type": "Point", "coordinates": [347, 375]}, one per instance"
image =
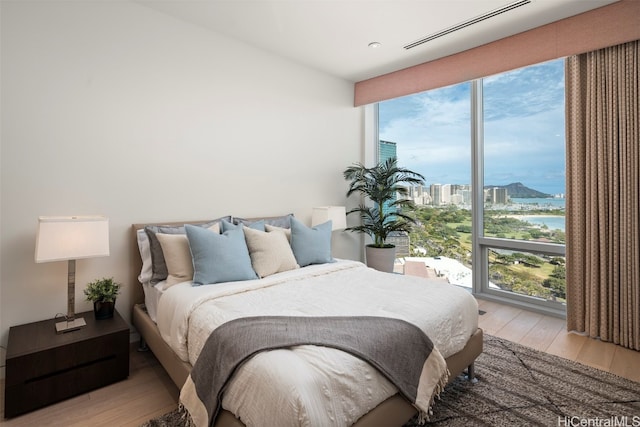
{"type": "Point", "coordinates": [219, 257]}
{"type": "Point", "coordinates": [311, 245]}
{"type": "Point", "coordinates": [158, 265]}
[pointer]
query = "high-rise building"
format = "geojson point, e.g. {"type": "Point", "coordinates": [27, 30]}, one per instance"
{"type": "Point", "coordinates": [386, 150]}
{"type": "Point", "coordinates": [457, 199]}
{"type": "Point", "coordinates": [466, 196]}
{"type": "Point", "coordinates": [445, 194]}
{"type": "Point", "coordinates": [436, 194]}
{"type": "Point", "coordinates": [498, 196]}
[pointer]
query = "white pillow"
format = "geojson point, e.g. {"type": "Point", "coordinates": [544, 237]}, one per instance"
{"type": "Point", "coordinates": [286, 231]}
{"type": "Point", "coordinates": [270, 252]}
{"type": "Point", "coordinates": [177, 255]}
{"type": "Point", "coordinates": [145, 255]}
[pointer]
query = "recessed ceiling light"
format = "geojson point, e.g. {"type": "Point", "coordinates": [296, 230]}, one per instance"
{"type": "Point", "coordinates": [374, 45]}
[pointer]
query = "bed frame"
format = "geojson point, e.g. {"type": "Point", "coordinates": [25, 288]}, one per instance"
{"type": "Point", "coordinates": [395, 411]}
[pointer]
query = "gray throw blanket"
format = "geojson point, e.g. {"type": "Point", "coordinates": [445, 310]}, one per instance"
{"type": "Point", "coordinates": [398, 349]}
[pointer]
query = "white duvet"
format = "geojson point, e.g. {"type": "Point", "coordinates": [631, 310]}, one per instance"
{"type": "Point", "coordinates": [309, 385]}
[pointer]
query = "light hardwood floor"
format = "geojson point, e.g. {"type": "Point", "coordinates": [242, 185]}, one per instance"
{"type": "Point", "coordinates": [148, 392]}
{"type": "Point", "coordinates": [549, 334]}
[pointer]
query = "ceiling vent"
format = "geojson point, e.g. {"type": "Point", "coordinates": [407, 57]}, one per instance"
{"type": "Point", "coordinates": [468, 23]}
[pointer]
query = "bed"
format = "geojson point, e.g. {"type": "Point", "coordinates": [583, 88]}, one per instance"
{"type": "Point", "coordinates": [175, 320]}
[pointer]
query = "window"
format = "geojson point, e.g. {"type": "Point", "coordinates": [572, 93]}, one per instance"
{"type": "Point", "coordinates": [505, 135]}
{"type": "Point", "coordinates": [521, 244]}
{"type": "Point", "coordinates": [430, 134]}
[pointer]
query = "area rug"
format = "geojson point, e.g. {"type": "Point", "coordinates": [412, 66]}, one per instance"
{"type": "Point", "coordinates": [519, 386]}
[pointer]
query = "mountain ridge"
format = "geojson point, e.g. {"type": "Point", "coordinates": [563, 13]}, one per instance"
{"type": "Point", "coordinates": [520, 191]}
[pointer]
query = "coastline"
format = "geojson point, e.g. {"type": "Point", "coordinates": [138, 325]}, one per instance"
{"type": "Point", "coordinates": [553, 222]}
{"type": "Point", "coordinates": [518, 216]}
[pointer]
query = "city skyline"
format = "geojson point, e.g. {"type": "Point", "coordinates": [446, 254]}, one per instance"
{"type": "Point", "coordinates": [523, 124]}
{"type": "Point", "coordinates": [460, 194]}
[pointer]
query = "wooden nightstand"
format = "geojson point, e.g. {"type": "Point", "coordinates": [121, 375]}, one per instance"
{"type": "Point", "coordinates": [43, 367]}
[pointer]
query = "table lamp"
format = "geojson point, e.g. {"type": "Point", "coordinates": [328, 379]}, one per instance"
{"type": "Point", "coordinates": [70, 238]}
{"type": "Point", "coordinates": [337, 215]}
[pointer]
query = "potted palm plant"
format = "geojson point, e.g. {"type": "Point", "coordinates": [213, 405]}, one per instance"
{"type": "Point", "coordinates": [103, 293]}
{"type": "Point", "coordinates": [381, 184]}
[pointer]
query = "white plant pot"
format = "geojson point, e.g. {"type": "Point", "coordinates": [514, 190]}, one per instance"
{"type": "Point", "coordinates": [382, 259]}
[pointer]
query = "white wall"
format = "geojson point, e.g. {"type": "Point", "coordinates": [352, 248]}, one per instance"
{"type": "Point", "coordinates": [112, 108]}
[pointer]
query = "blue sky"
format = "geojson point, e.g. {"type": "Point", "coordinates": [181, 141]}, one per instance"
{"type": "Point", "coordinates": [524, 130]}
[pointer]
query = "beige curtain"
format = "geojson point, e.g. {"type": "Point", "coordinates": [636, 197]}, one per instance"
{"type": "Point", "coordinates": [603, 183]}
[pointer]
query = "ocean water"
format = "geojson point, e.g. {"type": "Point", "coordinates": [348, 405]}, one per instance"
{"type": "Point", "coordinates": [553, 222]}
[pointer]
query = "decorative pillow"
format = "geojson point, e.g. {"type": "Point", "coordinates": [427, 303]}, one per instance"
{"type": "Point", "coordinates": [177, 256]}
{"type": "Point", "coordinates": [158, 265]}
{"type": "Point", "coordinates": [283, 221]}
{"type": "Point", "coordinates": [145, 255]}
{"type": "Point", "coordinates": [311, 245]}
{"type": "Point", "coordinates": [270, 252]}
{"type": "Point", "coordinates": [219, 257]}
{"type": "Point", "coordinates": [175, 248]}
{"type": "Point", "coordinates": [256, 225]}
{"type": "Point", "coordinates": [286, 231]}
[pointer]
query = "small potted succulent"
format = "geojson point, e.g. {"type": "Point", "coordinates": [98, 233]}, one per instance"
{"type": "Point", "coordinates": [103, 293]}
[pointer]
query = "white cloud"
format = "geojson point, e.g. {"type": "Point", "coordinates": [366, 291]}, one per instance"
{"type": "Point", "coordinates": [524, 129]}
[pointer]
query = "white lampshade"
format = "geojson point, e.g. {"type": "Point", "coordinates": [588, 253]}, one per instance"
{"type": "Point", "coordinates": [71, 237]}
{"type": "Point", "coordinates": [337, 214]}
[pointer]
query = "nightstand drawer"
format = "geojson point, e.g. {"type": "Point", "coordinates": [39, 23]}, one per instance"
{"type": "Point", "coordinates": [57, 360]}
{"type": "Point", "coordinates": [59, 385]}
{"type": "Point", "coordinates": [44, 368]}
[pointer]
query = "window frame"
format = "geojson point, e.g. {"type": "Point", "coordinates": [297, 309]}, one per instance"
{"type": "Point", "coordinates": [480, 243]}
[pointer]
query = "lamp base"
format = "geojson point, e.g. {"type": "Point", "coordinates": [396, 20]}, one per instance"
{"type": "Point", "coordinates": [70, 325]}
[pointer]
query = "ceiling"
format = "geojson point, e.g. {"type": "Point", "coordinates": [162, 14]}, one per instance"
{"type": "Point", "coordinates": [333, 35]}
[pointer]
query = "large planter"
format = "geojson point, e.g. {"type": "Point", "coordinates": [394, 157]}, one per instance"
{"type": "Point", "coordinates": [103, 310]}
{"type": "Point", "coordinates": [381, 259]}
